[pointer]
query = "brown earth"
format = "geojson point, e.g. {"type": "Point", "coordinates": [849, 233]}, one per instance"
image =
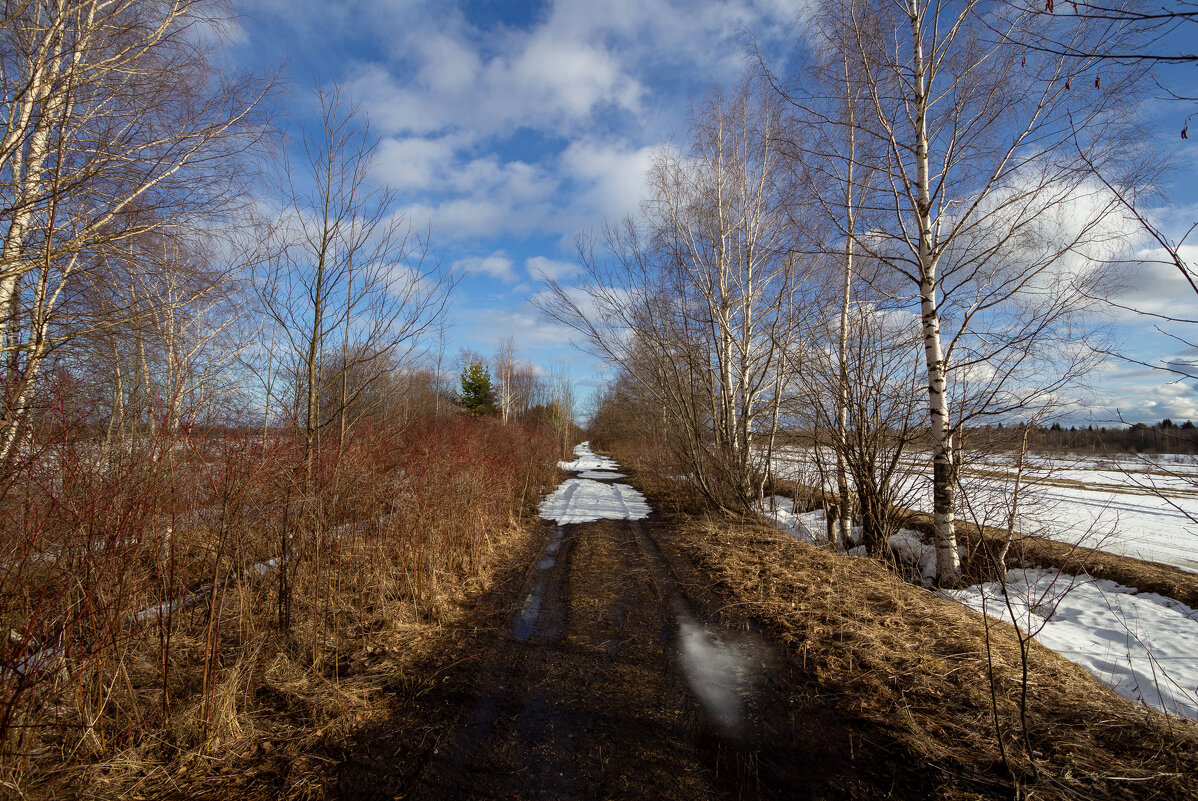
{"type": "Point", "coordinates": [584, 694]}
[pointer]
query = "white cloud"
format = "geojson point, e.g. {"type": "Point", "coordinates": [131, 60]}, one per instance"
{"type": "Point", "coordinates": [552, 269]}
{"type": "Point", "coordinates": [1153, 284]}
{"type": "Point", "coordinates": [496, 265]}
{"type": "Point", "coordinates": [613, 175]}
{"type": "Point", "coordinates": [413, 162]}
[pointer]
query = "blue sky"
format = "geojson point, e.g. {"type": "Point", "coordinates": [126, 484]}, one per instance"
{"type": "Point", "coordinates": [511, 127]}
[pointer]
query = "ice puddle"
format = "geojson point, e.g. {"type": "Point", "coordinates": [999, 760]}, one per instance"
{"type": "Point", "coordinates": [722, 671]}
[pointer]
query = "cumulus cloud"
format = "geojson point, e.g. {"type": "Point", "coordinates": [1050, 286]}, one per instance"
{"type": "Point", "coordinates": [510, 134]}
{"type": "Point", "coordinates": [407, 163]}
{"type": "Point", "coordinates": [1154, 285]}
{"type": "Point", "coordinates": [613, 174]}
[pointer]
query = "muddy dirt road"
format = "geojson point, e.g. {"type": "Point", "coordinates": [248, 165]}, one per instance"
{"type": "Point", "coordinates": [608, 683]}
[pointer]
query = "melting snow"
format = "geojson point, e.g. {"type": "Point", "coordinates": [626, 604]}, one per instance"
{"type": "Point", "coordinates": [1141, 644]}
{"type": "Point", "coordinates": [587, 460]}
{"type": "Point", "coordinates": [809, 527]}
{"type": "Point", "coordinates": [583, 500]}
{"type": "Point", "coordinates": [601, 475]}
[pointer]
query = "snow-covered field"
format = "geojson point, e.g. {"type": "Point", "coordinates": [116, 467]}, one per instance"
{"type": "Point", "coordinates": [1132, 506]}
{"type": "Point", "coordinates": [588, 498]}
{"type": "Point", "coordinates": [1142, 645]}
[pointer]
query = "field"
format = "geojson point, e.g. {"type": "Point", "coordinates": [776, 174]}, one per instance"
{"type": "Point", "coordinates": [1138, 643]}
{"type": "Point", "coordinates": [1145, 507]}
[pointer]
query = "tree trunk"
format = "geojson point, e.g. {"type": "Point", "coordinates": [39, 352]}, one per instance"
{"type": "Point", "coordinates": [948, 563]}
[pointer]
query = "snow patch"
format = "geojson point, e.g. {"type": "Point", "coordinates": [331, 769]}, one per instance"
{"type": "Point", "coordinates": [585, 460]}
{"type": "Point", "coordinates": [1141, 644]}
{"type": "Point", "coordinates": [581, 500]}
{"type": "Point", "coordinates": [601, 475]}
{"type": "Point", "coordinates": [809, 527]}
{"type": "Point", "coordinates": [910, 549]}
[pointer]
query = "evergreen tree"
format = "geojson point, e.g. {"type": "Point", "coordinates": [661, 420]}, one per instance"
{"type": "Point", "coordinates": [476, 395]}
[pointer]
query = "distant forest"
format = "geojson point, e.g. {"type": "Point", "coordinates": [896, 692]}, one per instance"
{"type": "Point", "coordinates": [1163, 437]}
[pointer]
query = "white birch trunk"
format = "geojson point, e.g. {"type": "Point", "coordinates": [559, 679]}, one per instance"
{"type": "Point", "coordinates": [948, 563]}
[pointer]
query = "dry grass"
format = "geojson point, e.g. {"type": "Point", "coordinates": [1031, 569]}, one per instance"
{"type": "Point", "coordinates": [406, 535]}
{"type": "Point", "coordinates": [912, 668]}
{"type": "Point", "coordinates": [280, 721]}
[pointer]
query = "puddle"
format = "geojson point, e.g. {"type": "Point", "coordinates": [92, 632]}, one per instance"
{"type": "Point", "coordinates": [722, 670]}
{"type": "Point", "coordinates": [525, 624]}
{"type": "Point", "coordinates": [526, 621]}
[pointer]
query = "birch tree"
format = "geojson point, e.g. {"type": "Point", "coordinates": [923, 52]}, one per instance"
{"type": "Point", "coordinates": [505, 369]}
{"type": "Point", "coordinates": [836, 167]}
{"type": "Point", "coordinates": [698, 304]}
{"type": "Point", "coordinates": [991, 215]}
{"type": "Point", "coordinates": [113, 124]}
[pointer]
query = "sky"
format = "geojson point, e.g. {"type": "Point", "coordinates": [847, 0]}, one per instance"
{"type": "Point", "coordinates": [512, 127]}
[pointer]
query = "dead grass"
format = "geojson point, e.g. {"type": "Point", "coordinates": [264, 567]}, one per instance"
{"type": "Point", "coordinates": [281, 721]}
{"type": "Point", "coordinates": [912, 666]}
{"type": "Point", "coordinates": [223, 693]}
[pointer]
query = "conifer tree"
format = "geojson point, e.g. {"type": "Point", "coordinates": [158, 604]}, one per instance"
{"type": "Point", "coordinates": [476, 395]}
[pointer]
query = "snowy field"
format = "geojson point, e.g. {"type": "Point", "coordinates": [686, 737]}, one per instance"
{"type": "Point", "coordinates": [1142, 507]}
{"type": "Point", "coordinates": [1142, 645]}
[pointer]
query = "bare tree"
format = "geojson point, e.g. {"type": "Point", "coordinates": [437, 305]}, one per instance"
{"type": "Point", "coordinates": [113, 124]}
{"type": "Point", "coordinates": [991, 215]}
{"type": "Point", "coordinates": [356, 287]}
{"type": "Point", "coordinates": [699, 306]}
{"type": "Point", "coordinates": [880, 410]}
{"type": "Point", "coordinates": [505, 368]}
{"type": "Point", "coordinates": [836, 168]}
{"type": "Point", "coordinates": [357, 283]}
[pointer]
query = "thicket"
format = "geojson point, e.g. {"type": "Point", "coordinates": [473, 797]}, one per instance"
{"type": "Point", "coordinates": [228, 457]}
{"type": "Point", "coordinates": [146, 596]}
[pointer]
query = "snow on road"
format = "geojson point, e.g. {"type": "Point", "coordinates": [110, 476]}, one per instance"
{"type": "Point", "coordinates": [584, 500]}
{"type": "Point", "coordinates": [601, 475]}
{"type": "Point", "coordinates": [1141, 644]}
{"type": "Point", "coordinates": [585, 460]}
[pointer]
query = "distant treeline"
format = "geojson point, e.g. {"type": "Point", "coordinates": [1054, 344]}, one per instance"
{"type": "Point", "coordinates": [1163, 437]}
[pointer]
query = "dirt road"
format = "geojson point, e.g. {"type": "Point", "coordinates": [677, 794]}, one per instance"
{"type": "Point", "coordinates": [608, 684]}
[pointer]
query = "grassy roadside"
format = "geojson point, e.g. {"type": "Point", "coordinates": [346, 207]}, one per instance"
{"type": "Point", "coordinates": [306, 735]}
{"type": "Point", "coordinates": [308, 732]}
{"type": "Point", "coordinates": [911, 669]}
